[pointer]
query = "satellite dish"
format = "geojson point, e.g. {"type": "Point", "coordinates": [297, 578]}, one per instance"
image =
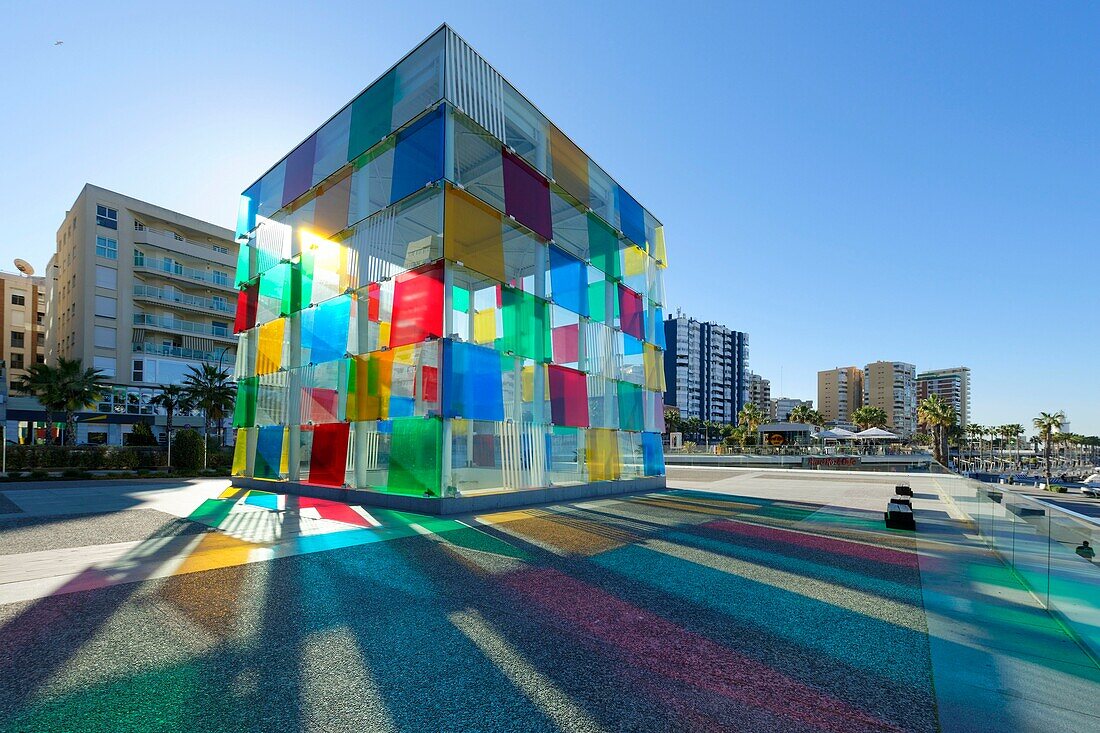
{"type": "Point", "coordinates": [23, 266]}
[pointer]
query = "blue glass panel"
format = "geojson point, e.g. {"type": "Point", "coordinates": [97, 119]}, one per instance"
{"type": "Point", "coordinates": [631, 345]}
{"type": "Point", "coordinates": [472, 385]}
{"type": "Point", "coordinates": [631, 218]}
{"type": "Point", "coordinates": [418, 157]}
{"type": "Point", "coordinates": [246, 211]}
{"type": "Point", "coordinates": [660, 326]}
{"type": "Point", "coordinates": [569, 281]}
{"type": "Point", "coordinates": [331, 321]}
{"type": "Point", "coordinates": [402, 406]}
{"type": "Point", "coordinates": [653, 455]}
{"type": "Point", "coordinates": [269, 451]}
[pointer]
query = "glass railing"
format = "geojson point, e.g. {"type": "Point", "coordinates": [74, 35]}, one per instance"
{"type": "Point", "coordinates": [1052, 549]}
{"type": "Point", "coordinates": [171, 296]}
{"type": "Point", "coordinates": [175, 268]}
{"type": "Point", "coordinates": [175, 324]}
{"type": "Point", "coordinates": [179, 352]}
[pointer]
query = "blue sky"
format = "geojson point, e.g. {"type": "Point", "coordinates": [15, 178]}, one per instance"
{"type": "Point", "coordinates": [846, 182]}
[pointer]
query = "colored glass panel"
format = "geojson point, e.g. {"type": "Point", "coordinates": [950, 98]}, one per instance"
{"type": "Point", "coordinates": [631, 219]}
{"type": "Point", "coordinates": [485, 326]}
{"type": "Point", "coordinates": [478, 165]}
{"type": "Point", "coordinates": [417, 306]}
{"type": "Point", "coordinates": [330, 213]}
{"type": "Point", "coordinates": [568, 281]}
{"type": "Point", "coordinates": [568, 396]}
{"type": "Point", "coordinates": [418, 156]}
{"type": "Point", "coordinates": [371, 116]}
{"type": "Point", "coordinates": [415, 456]}
{"type": "Point", "coordinates": [654, 369]}
{"type": "Point", "coordinates": [240, 453]}
{"type": "Point", "coordinates": [472, 382]}
{"type": "Point", "coordinates": [269, 451]}
{"type": "Point", "coordinates": [244, 412]}
{"type": "Point", "coordinates": [373, 384]}
{"type": "Point", "coordinates": [527, 195]}
{"type": "Point", "coordinates": [630, 313]}
{"type": "Point", "coordinates": [248, 299]}
{"type": "Point", "coordinates": [566, 343]}
{"type": "Point", "coordinates": [473, 234]}
{"type": "Point", "coordinates": [269, 356]}
{"type": "Point", "coordinates": [246, 211]}
{"type": "Point", "coordinates": [653, 455]}
{"type": "Point", "coordinates": [331, 321]}
{"type": "Point", "coordinates": [630, 406]}
{"type": "Point", "coordinates": [526, 325]}
{"type": "Point", "coordinates": [332, 146]}
{"type": "Point", "coordinates": [603, 244]}
{"type": "Point", "coordinates": [329, 454]}
{"type": "Point", "coordinates": [570, 165]}
{"type": "Point", "coordinates": [602, 455]}
{"type": "Point", "coordinates": [299, 170]}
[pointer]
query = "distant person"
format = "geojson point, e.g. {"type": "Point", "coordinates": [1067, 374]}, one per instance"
{"type": "Point", "coordinates": [1085, 550]}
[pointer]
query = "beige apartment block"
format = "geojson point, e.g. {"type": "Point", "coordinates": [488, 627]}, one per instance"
{"type": "Point", "coordinates": [142, 293]}
{"type": "Point", "coordinates": [24, 317]}
{"type": "Point", "coordinates": [951, 385]}
{"type": "Point", "coordinates": [839, 393]}
{"type": "Point", "coordinates": [891, 386]}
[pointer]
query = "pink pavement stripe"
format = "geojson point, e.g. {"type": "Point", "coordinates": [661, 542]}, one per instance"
{"type": "Point", "coordinates": [660, 646]}
{"type": "Point", "coordinates": [334, 510]}
{"type": "Point", "coordinates": [825, 544]}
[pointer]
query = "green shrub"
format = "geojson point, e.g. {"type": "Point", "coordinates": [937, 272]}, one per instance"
{"type": "Point", "coordinates": [186, 450]}
{"type": "Point", "coordinates": [38, 475]}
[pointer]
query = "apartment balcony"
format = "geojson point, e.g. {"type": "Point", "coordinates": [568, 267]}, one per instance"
{"type": "Point", "coordinates": [226, 356]}
{"type": "Point", "coordinates": [183, 300]}
{"type": "Point", "coordinates": [173, 242]}
{"type": "Point", "coordinates": [177, 271]}
{"type": "Point", "coordinates": [175, 325]}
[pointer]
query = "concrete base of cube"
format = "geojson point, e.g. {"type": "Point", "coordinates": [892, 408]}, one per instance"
{"type": "Point", "coordinates": [461, 504]}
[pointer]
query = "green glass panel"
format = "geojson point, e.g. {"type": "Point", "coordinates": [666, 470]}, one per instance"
{"type": "Point", "coordinates": [298, 288]}
{"type": "Point", "coordinates": [597, 301]}
{"type": "Point", "coordinates": [244, 413]}
{"type": "Point", "coordinates": [526, 325]}
{"type": "Point", "coordinates": [460, 299]}
{"type": "Point", "coordinates": [244, 265]}
{"type": "Point", "coordinates": [415, 454]}
{"type": "Point", "coordinates": [371, 116]}
{"type": "Point", "coordinates": [603, 245]}
{"type": "Point", "coordinates": [630, 406]}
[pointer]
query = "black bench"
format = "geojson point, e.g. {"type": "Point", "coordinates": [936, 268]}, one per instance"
{"type": "Point", "coordinates": [899, 516]}
{"type": "Point", "coordinates": [903, 490]}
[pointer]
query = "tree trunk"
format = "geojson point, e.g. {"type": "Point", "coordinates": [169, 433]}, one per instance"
{"type": "Point", "coordinates": [1046, 456]}
{"type": "Point", "coordinates": [70, 428]}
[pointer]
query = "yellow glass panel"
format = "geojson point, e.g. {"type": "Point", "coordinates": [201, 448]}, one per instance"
{"type": "Point", "coordinates": [570, 165]}
{"type": "Point", "coordinates": [240, 452]}
{"type": "Point", "coordinates": [373, 380]}
{"type": "Point", "coordinates": [659, 248]}
{"type": "Point", "coordinates": [405, 354]}
{"type": "Point", "coordinates": [602, 455]}
{"type": "Point", "coordinates": [634, 259]}
{"type": "Point", "coordinates": [284, 459]}
{"type": "Point", "coordinates": [472, 234]}
{"type": "Point", "coordinates": [654, 369]}
{"type": "Point", "coordinates": [383, 335]}
{"type": "Point", "coordinates": [485, 326]}
{"type": "Point", "coordinates": [330, 261]}
{"type": "Point", "coordinates": [269, 356]}
{"type": "Point", "coordinates": [527, 379]}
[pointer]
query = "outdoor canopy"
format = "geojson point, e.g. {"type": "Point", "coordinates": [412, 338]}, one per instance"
{"type": "Point", "coordinates": [875, 434]}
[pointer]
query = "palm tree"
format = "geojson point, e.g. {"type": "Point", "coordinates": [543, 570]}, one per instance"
{"type": "Point", "coordinates": [974, 431]}
{"type": "Point", "coordinates": [940, 416]}
{"type": "Point", "coordinates": [1013, 431]}
{"type": "Point", "coordinates": [869, 417]}
{"type": "Point", "coordinates": [1048, 424]}
{"type": "Point", "coordinates": [210, 389]}
{"type": "Point", "coordinates": [173, 398]}
{"type": "Point", "coordinates": [67, 387]}
{"type": "Point", "coordinates": [43, 383]}
{"type": "Point", "coordinates": [750, 418]}
{"type": "Point", "coordinates": [805, 414]}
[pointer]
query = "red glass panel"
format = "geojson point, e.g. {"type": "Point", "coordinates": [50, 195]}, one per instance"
{"type": "Point", "coordinates": [329, 457]}
{"type": "Point", "coordinates": [417, 306]}
{"type": "Point", "coordinates": [568, 396]}
{"type": "Point", "coordinates": [374, 291]}
{"type": "Point", "coordinates": [566, 339]}
{"type": "Point", "coordinates": [527, 196]}
{"type": "Point", "coordinates": [248, 298]}
{"type": "Point", "coordinates": [630, 313]}
{"type": "Point", "coordinates": [431, 384]}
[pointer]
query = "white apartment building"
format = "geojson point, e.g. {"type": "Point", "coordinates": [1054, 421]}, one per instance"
{"type": "Point", "coordinates": [760, 392]}
{"type": "Point", "coordinates": [140, 292]}
{"type": "Point", "coordinates": [952, 386]}
{"type": "Point", "coordinates": [780, 408]}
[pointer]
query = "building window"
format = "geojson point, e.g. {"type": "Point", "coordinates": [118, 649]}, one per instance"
{"type": "Point", "coordinates": [139, 226]}
{"type": "Point", "coordinates": [106, 337]}
{"type": "Point", "coordinates": [106, 247]}
{"type": "Point", "coordinates": [177, 237]}
{"type": "Point", "coordinates": [106, 217]}
{"type": "Point", "coordinates": [106, 277]}
{"type": "Point", "coordinates": [106, 307]}
{"type": "Point", "coordinates": [17, 339]}
{"type": "Point", "coordinates": [39, 358]}
{"type": "Point", "coordinates": [105, 364]}
{"type": "Point", "coordinates": [139, 258]}
{"type": "Point", "coordinates": [219, 329]}
{"type": "Point", "coordinates": [40, 318]}
{"type": "Point", "coordinates": [220, 303]}
{"type": "Point", "coordinates": [16, 360]}
{"type": "Point", "coordinates": [97, 437]}
{"type": "Point", "coordinates": [221, 278]}
{"type": "Point", "coordinates": [18, 299]}
{"type": "Point", "coordinates": [221, 250]}
{"type": "Point", "coordinates": [139, 370]}
{"type": "Point", "coordinates": [40, 340]}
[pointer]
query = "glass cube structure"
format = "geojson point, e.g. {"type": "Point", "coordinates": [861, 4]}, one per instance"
{"type": "Point", "coordinates": [441, 295]}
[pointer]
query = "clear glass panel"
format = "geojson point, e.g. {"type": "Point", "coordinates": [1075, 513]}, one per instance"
{"type": "Point", "coordinates": [477, 161]}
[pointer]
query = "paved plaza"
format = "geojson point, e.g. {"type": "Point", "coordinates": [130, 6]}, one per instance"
{"type": "Point", "coordinates": [736, 600]}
